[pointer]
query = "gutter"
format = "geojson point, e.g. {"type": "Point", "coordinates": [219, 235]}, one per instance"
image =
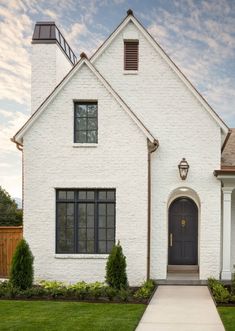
{"type": "Point", "coordinates": [152, 147]}
{"type": "Point", "coordinates": [20, 148]}
{"type": "Point", "coordinates": [18, 145]}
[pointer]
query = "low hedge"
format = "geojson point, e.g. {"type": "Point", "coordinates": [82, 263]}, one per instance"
{"type": "Point", "coordinates": [79, 291]}
{"type": "Point", "coordinates": [221, 293]}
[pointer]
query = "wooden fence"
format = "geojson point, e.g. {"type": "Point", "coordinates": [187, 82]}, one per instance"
{"type": "Point", "coordinates": [9, 238]}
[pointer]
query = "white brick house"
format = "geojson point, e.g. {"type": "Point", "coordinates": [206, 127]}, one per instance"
{"type": "Point", "coordinates": [101, 154]}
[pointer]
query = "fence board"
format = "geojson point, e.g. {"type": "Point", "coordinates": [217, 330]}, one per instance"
{"type": "Point", "coordinates": [9, 238]}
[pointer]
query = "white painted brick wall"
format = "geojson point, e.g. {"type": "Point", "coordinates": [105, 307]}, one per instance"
{"type": "Point", "coordinates": [51, 161]}
{"type": "Point", "coordinates": [184, 129]}
{"type": "Point", "coordinates": [233, 233]}
{"type": "Point", "coordinates": [49, 66]}
{"type": "Point", "coordinates": [173, 115]}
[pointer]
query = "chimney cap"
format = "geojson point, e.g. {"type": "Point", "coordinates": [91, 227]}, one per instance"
{"type": "Point", "coordinates": [48, 33]}
{"type": "Point", "coordinates": [130, 12]}
{"type": "Point", "coordinates": [45, 23]}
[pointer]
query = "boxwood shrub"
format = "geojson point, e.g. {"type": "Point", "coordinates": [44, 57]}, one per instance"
{"type": "Point", "coordinates": [219, 291]}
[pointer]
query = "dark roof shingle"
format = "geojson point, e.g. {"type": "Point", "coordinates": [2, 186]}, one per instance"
{"type": "Point", "coordinates": [228, 155]}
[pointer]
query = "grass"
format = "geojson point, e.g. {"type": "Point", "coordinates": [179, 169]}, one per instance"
{"type": "Point", "coordinates": [45, 316]}
{"type": "Point", "coordinates": [227, 315]}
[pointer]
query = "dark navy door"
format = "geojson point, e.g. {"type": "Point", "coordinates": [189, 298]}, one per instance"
{"type": "Point", "coordinates": [183, 232]}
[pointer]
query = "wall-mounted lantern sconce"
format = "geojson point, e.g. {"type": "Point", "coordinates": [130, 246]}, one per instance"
{"type": "Point", "coordinates": [183, 168]}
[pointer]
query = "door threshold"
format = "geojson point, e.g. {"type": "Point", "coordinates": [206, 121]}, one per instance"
{"type": "Point", "coordinates": [182, 268]}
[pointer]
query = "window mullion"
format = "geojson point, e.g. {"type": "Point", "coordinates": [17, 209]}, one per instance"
{"type": "Point", "coordinates": [96, 221]}
{"type": "Point", "coordinates": [106, 216]}
{"type": "Point", "coordinates": [56, 243]}
{"type": "Point", "coordinates": [76, 221]}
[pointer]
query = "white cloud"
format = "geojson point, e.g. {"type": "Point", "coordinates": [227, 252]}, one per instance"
{"type": "Point", "coordinates": [7, 131]}
{"type": "Point", "coordinates": [54, 16]}
{"type": "Point", "coordinates": [12, 183]}
{"type": "Point", "coordinates": [14, 56]}
{"type": "Point", "coordinates": [75, 31]}
{"type": "Point", "coordinates": [199, 37]}
{"type": "Point", "coordinates": [6, 113]}
{"type": "Point", "coordinates": [10, 157]}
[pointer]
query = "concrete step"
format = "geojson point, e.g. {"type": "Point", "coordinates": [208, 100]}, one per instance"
{"type": "Point", "coordinates": [181, 282]}
{"type": "Point", "coordinates": [183, 268]}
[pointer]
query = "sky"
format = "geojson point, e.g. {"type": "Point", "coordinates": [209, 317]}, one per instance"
{"type": "Point", "coordinates": [198, 35]}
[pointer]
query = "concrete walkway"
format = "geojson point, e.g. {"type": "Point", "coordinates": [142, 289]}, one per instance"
{"type": "Point", "coordinates": [181, 308]}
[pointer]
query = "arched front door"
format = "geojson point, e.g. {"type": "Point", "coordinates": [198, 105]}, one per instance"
{"type": "Point", "coordinates": [183, 232]}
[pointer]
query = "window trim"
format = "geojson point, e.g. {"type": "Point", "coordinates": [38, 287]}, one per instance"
{"type": "Point", "coordinates": [84, 144]}
{"type": "Point", "coordinates": [81, 256]}
{"type": "Point", "coordinates": [89, 145]}
{"type": "Point", "coordinates": [96, 201]}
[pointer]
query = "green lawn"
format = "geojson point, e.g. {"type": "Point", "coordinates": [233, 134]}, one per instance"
{"type": "Point", "coordinates": [227, 315]}
{"type": "Point", "coordinates": [51, 316]}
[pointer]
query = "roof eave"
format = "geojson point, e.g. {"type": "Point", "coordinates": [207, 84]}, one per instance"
{"type": "Point", "coordinates": [224, 172]}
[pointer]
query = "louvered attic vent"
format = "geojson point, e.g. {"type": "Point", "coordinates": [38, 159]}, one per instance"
{"type": "Point", "coordinates": [131, 55]}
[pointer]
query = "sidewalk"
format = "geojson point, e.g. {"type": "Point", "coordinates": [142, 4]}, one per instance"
{"type": "Point", "coordinates": [181, 308]}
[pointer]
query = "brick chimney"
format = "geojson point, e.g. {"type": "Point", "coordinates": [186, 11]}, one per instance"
{"type": "Point", "coordinates": [52, 58]}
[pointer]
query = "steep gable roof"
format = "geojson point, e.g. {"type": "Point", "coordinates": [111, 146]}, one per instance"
{"type": "Point", "coordinates": [227, 168]}
{"type": "Point", "coordinates": [18, 137]}
{"type": "Point", "coordinates": [131, 18]}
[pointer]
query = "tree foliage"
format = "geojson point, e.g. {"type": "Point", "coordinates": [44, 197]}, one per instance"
{"type": "Point", "coordinates": [116, 276]}
{"type": "Point", "coordinates": [21, 274]}
{"type": "Point", "coordinates": [9, 213]}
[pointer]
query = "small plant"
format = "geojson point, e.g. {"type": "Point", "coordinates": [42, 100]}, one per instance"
{"type": "Point", "coordinates": [124, 294]}
{"type": "Point", "coordinates": [220, 293]}
{"type": "Point", "coordinates": [232, 298]}
{"type": "Point", "coordinates": [212, 281]}
{"type": "Point", "coordinates": [116, 276]}
{"type": "Point", "coordinates": [146, 289]}
{"type": "Point", "coordinates": [110, 292]}
{"type": "Point", "coordinates": [96, 289]}
{"type": "Point", "coordinates": [80, 290]}
{"type": "Point", "coordinates": [21, 274]}
{"type": "Point", "coordinates": [233, 286]}
{"type": "Point", "coordinates": [35, 291]}
{"type": "Point", "coordinates": [7, 290]}
{"type": "Point", "coordinates": [54, 288]}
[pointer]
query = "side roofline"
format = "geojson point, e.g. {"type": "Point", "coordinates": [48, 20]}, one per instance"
{"type": "Point", "coordinates": [18, 137]}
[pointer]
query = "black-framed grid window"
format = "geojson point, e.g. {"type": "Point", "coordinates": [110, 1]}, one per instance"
{"type": "Point", "coordinates": [85, 221]}
{"type": "Point", "coordinates": [85, 122]}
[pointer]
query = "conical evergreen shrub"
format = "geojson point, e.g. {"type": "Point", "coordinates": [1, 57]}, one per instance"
{"type": "Point", "coordinates": [116, 276]}
{"type": "Point", "coordinates": [21, 274]}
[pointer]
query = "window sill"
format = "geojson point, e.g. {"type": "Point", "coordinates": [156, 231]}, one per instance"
{"type": "Point", "coordinates": [130, 72]}
{"type": "Point", "coordinates": [81, 256]}
{"type": "Point", "coordinates": [79, 145]}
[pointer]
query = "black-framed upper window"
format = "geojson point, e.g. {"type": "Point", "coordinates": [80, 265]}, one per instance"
{"type": "Point", "coordinates": [85, 122]}
{"type": "Point", "coordinates": [85, 220]}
